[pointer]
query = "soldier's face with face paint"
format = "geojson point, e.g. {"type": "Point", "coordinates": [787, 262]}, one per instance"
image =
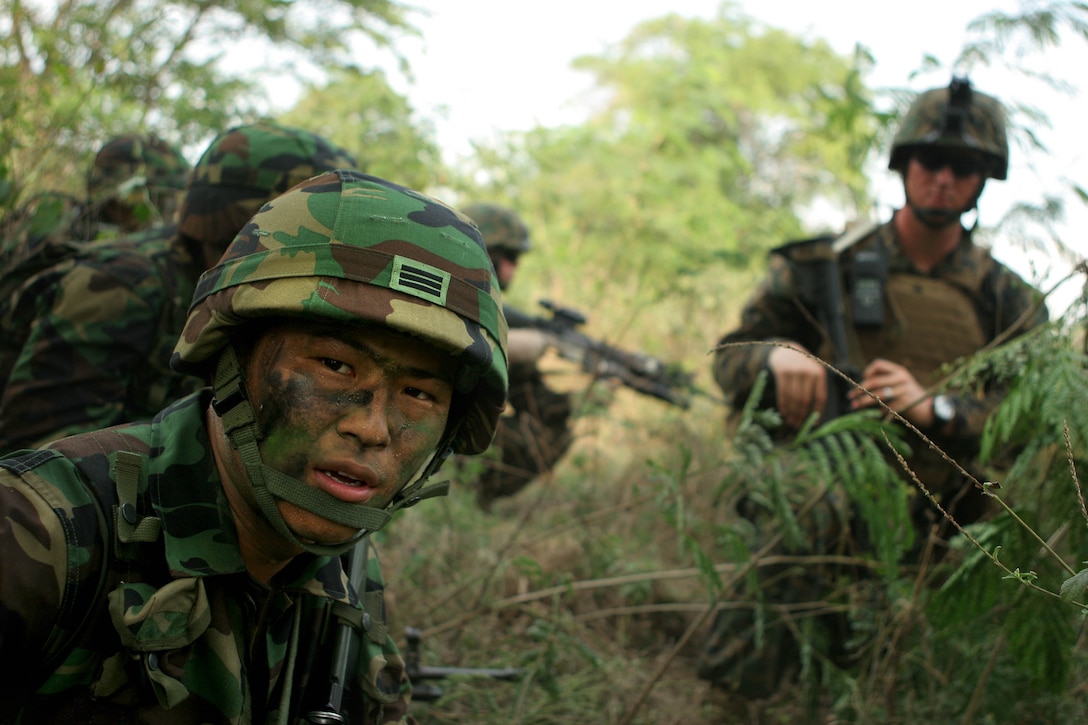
{"type": "Point", "coordinates": [354, 411]}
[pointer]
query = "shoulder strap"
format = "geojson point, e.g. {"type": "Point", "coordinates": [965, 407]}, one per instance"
{"type": "Point", "coordinates": [854, 235]}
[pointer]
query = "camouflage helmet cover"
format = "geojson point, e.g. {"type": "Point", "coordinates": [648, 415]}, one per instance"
{"type": "Point", "coordinates": [355, 248]}
{"type": "Point", "coordinates": [501, 227]}
{"type": "Point", "coordinates": [244, 167]}
{"type": "Point", "coordinates": [127, 166]}
{"type": "Point", "coordinates": [956, 117]}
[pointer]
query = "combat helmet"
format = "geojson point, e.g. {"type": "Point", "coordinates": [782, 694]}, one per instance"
{"type": "Point", "coordinates": [143, 174]}
{"type": "Point", "coordinates": [241, 169]}
{"type": "Point", "coordinates": [354, 248]}
{"type": "Point", "coordinates": [956, 117]}
{"type": "Point", "coordinates": [502, 229]}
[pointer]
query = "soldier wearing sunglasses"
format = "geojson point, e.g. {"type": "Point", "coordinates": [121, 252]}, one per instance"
{"type": "Point", "coordinates": [917, 293]}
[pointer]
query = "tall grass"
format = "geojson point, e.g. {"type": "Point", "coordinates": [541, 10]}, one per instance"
{"type": "Point", "coordinates": [597, 580]}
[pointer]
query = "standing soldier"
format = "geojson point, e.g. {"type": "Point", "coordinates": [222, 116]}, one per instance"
{"type": "Point", "coordinates": [917, 293]}
{"type": "Point", "coordinates": [353, 335]}
{"type": "Point", "coordinates": [535, 431]}
{"type": "Point", "coordinates": [86, 342]}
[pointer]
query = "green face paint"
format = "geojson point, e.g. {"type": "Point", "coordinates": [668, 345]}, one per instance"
{"type": "Point", "coordinates": [352, 411]}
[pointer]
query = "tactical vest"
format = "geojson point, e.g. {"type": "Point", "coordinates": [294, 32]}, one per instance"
{"type": "Point", "coordinates": [926, 322]}
{"type": "Point", "coordinates": [929, 323]}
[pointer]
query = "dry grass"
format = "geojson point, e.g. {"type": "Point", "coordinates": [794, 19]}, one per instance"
{"type": "Point", "coordinates": [588, 582]}
{"type": "Point", "coordinates": [578, 579]}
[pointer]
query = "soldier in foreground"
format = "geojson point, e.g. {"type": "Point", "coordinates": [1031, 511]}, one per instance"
{"type": "Point", "coordinates": [86, 341]}
{"type": "Point", "coordinates": [535, 431]}
{"type": "Point", "coordinates": [917, 293]}
{"type": "Point", "coordinates": [353, 336]}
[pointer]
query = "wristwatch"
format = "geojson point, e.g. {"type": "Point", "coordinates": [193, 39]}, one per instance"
{"type": "Point", "coordinates": [944, 410]}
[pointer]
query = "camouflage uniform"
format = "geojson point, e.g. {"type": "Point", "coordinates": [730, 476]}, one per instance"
{"type": "Point", "coordinates": [186, 635]}
{"type": "Point", "coordinates": [207, 611]}
{"type": "Point", "coordinates": [87, 341]}
{"type": "Point", "coordinates": [532, 436]}
{"type": "Point", "coordinates": [997, 296]}
{"type": "Point", "coordinates": [534, 433]}
{"type": "Point", "coordinates": [928, 319]}
{"type": "Point", "coordinates": [135, 182]}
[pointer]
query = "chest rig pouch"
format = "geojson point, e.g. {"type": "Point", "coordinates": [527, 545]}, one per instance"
{"type": "Point", "coordinates": [869, 276]}
{"type": "Point", "coordinates": [931, 322]}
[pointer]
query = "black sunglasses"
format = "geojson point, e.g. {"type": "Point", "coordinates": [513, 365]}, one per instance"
{"type": "Point", "coordinates": [962, 165]}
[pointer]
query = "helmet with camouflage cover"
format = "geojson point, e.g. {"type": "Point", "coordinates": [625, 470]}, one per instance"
{"type": "Point", "coordinates": [354, 248]}
{"type": "Point", "coordinates": [502, 228]}
{"type": "Point", "coordinates": [136, 180]}
{"type": "Point", "coordinates": [956, 117]}
{"type": "Point", "coordinates": [241, 169]}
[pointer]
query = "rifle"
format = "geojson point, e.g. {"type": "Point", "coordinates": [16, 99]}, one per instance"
{"type": "Point", "coordinates": [332, 710]}
{"type": "Point", "coordinates": [636, 370]}
{"type": "Point", "coordinates": [816, 265]}
{"type": "Point", "coordinates": [420, 674]}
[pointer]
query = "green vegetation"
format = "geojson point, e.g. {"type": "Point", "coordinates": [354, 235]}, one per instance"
{"type": "Point", "coordinates": [599, 580]}
{"type": "Point", "coordinates": [73, 74]}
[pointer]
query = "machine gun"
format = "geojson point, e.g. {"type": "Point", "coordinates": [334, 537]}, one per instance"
{"type": "Point", "coordinates": [636, 370]}
{"type": "Point", "coordinates": [421, 675]}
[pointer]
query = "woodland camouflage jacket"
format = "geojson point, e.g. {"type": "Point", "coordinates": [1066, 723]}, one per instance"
{"type": "Point", "coordinates": [187, 636]}
{"type": "Point", "coordinates": [86, 343]}
{"type": "Point", "coordinates": [1003, 303]}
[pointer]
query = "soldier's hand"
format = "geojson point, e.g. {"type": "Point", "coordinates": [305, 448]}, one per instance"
{"type": "Point", "coordinates": [898, 389]}
{"type": "Point", "coordinates": [526, 345]}
{"type": "Point", "coordinates": [800, 382]}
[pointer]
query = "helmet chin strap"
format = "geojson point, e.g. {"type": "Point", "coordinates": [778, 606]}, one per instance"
{"type": "Point", "coordinates": [941, 218]}
{"type": "Point", "coordinates": [934, 218]}
{"type": "Point", "coordinates": [270, 486]}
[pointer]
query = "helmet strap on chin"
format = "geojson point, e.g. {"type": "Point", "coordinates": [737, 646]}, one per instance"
{"type": "Point", "coordinates": [934, 218]}
{"type": "Point", "coordinates": [419, 489]}
{"type": "Point", "coordinates": [269, 485]}
{"type": "Point", "coordinates": [941, 218]}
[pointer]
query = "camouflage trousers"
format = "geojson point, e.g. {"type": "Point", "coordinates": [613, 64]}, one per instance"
{"type": "Point", "coordinates": [809, 578]}
{"type": "Point", "coordinates": [754, 643]}
{"type": "Point", "coordinates": [528, 443]}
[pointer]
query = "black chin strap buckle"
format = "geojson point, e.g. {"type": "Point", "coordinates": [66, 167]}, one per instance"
{"type": "Point", "coordinates": [227, 404]}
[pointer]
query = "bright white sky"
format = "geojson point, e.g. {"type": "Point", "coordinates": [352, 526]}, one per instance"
{"type": "Point", "coordinates": [484, 66]}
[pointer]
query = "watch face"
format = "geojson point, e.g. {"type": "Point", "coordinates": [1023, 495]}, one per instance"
{"type": "Point", "coordinates": [943, 410]}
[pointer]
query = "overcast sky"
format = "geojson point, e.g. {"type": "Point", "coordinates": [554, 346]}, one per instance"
{"type": "Point", "coordinates": [483, 66]}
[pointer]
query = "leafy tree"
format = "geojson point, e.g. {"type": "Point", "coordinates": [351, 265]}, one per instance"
{"type": "Point", "coordinates": [74, 73]}
{"type": "Point", "coordinates": [710, 144]}
{"type": "Point", "coordinates": [362, 113]}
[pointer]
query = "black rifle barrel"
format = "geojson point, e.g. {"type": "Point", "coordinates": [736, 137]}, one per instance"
{"type": "Point", "coordinates": [346, 649]}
